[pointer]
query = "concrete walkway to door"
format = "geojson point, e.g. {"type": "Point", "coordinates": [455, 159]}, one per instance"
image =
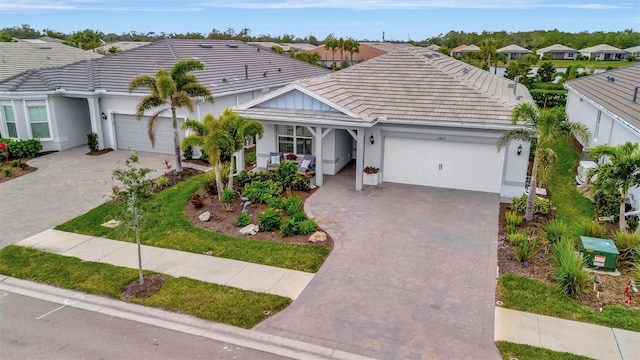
{"type": "Point", "coordinates": [412, 274]}
{"type": "Point", "coordinates": [67, 184]}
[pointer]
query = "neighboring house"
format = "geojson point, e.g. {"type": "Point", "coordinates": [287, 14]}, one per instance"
{"type": "Point", "coordinates": [604, 52]}
{"type": "Point", "coordinates": [457, 51]}
{"type": "Point", "coordinates": [558, 52]}
{"type": "Point", "coordinates": [609, 105]}
{"type": "Point", "coordinates": [634, 51]}
{"type": "Point", "coordinates": [43, 40]}
{"type": "Point", "coordinates": [60, 106]}
{"type": "Point", "coordinates": [120, 45]}
{"type": "Point", "coordinates": [422, 117]}
{"type": "Point", "coordinates": [267, 45]}
{"type": "Point", "coordinates": [16, 57]}
{"type": "Point", "coordinates": [433, 47]}
{"type": "Point", "coordinates": [366, 51]}
{"type": "Point", "coordinates": [514, 52]}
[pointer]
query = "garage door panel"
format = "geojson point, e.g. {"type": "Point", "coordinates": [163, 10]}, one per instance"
{"type": "Point", "coordinates": [131, 133]}
{"type": "Point", "coordinates": [457, 165]}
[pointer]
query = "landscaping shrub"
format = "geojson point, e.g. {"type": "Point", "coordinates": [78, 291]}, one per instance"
{"type": "Point", "coordinates": [549, 98]}
{"type": "Point", "coordinates": [250, 159]}
{"type": "Point", "coordinates": [632, 223]}
{"type": "Point", "coordinates": [92, 142]}
{"type": "Point", "coordinates": [15, 163]}
{"type": "Point", "coordinates": [556, 230]}
{"type": "Point", "coordinates": [264, 176]}
{"type": "Point", "coordinates": [228, 197]}
{"type": "Point", "coordinates": [568, 269]}
{"type": "Point", "coordinates": [196, 201]}
{"type": "Point", "coordinates": [513, 219]}
{"type": "Point", "coordinates": [294, 205]}
{"type": "Point", "coordinates": [276, 202]}
{"type": "Point", "coordinates": [286, 173]}
{"type": "Point", "coordinates": [302, 183]}
{"type": "Point", "coordinates": [204, 156]}
{"type": "Point", "coordinates": [243, 220]}
{"type": "Point", "coordinates": [526, 248]}
{"type": "Point", "coordinates": [628, 245]}
{"type": "Point", "coordinates": [243, 178]}
{"type": "Point", "coordinates": [298, 216]}
{"type": "Point", "coordinates": [22, 149]}
{"type": "Point", "coordinates": [289, 228]}
{"type": "Point", "coordinates": [540, 206]}
{"type": "Point", "coordinates": [211, 184]}
{"type": "Point", "coordinates": [307, 227]}
{"type": "Point", "coordinates": [606, 203]}
{"type": "Point", "coordinates": [7, 171]}
{"type": "Point", "coordinates": [187, 153]}
{"type": "Point", "coordinates": [592, 229]}
{"type": "Point", "coordinates": [161, 182]}
{"type": "Point", "coordinates": [270, 219]}
{"type": "Point", "coordinates": [517, 237]}
{"type": "Point", "coordinates": [261, 191]}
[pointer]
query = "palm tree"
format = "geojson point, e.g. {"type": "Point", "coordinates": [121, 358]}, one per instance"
{"type": "Point", "coordinates": [170, 91]}
{"type": "Point", "coordinates": [211, 137]}
{"type": "Point", "coordinates": [546, 126]}
{"type": "Point", "coordinates": [620, 173]}
{"type": "Point", "coordinates": [331, 44]}
{"type": "Point", "coordinates": [340, 46]}
{"type": "Point", "coordinates": [351, 46]}
{"type": "Point", "coordinates": [488, 51]}
{"type": "Point", "coordinates": [239, 129]}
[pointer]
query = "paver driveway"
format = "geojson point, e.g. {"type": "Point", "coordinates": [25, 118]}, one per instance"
{"type": "Point", "coordinates": [66, 184]}
{"type": "Point", "coordinates": [412, 275]}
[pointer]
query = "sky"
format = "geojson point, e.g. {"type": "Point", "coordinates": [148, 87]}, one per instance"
{"type": "Point", "coordinates": [360, 19]}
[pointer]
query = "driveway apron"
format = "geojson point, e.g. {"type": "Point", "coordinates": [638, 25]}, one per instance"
{"type": "Point", "coordinates": [412, 274]}
{"type": "Point", "coordinates": [66, 184]}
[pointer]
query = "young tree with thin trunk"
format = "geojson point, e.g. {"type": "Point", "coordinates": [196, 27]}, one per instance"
{"type": "Point", "coordinates": [546, 126]}
{"type": "Point", "coordinates": [170, 91]}
{"type": "Point", "coordinates": [239, 129]}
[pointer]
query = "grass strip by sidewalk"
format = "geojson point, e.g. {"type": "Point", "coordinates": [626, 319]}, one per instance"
{"type": "Point", "coordinates": [524, 294]}
{"type": "Point", "coordinates": [169, 228]}
{"type": "Point", "coordinates": [207, 301]}
{"type": "Point", "coordinates": [509, 350]}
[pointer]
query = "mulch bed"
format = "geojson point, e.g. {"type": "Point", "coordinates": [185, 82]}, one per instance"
{"type": "Point", "coordinates": [222, 221]}
{"type": "Point", "coordinates": [99, 152]}
{"type": "Point", "coordinates": [611, 288]}
{"type": "Point", "coordinates": [152, 284]}
{"type": "Point", "coordinates": [174, 177]}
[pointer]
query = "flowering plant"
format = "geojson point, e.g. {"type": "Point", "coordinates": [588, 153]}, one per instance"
{"type": "Point", "coordinates": [167, 165]}
{"type": "Point", "coordinates": [291, 157]}
{"type": "Point", "coordinates": [371, 170]}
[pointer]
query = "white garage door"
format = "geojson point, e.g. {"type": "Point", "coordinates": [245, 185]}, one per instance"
{"type": "Point", "coordinates": [447, 164]}
{"type": "Point", "coordinates": [131, 133]}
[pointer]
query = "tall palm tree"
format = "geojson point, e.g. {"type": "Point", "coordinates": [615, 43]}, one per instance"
{"type": "Point", "coordinates": [340, 46]}
{"type": "Point", "coordinates": [212, 138]}
{"type": "Point", "coordinates": [239, 129]}
{"type": "Point", "coordinates": [351, 46]}
{"type": "Point", "coordinates": [546, 126]}
{"type": "Point", "coordinates": [170, 91]}
{"type": "Point", "coordinates": [619, 173]}
{"type": "Point", "coordinates": [488, 51]}
{"type": "Point", "coordinates": [331, 44]}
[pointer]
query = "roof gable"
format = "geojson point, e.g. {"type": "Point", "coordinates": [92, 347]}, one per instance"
{"type": "Point", "coordinates": [513, 48]}
{"type": "Point", "coordinates": [556, 48]}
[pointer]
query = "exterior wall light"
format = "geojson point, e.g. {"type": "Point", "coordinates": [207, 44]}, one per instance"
{"type": "Point", "coordinates": [104, 116]}
{"type": "Point", "coordinates": [519, 150]}
{"type": "Point", "coordinates": [372, 139]}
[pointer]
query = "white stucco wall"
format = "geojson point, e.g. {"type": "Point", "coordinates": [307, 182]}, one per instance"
{"type": "Point", "coordinates": [72, 121]}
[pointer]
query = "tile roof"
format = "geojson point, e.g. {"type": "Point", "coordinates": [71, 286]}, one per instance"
{"type": "Point", "coordinates": [16, 57]}
{"type": "Point", "coordinates": [633, 49]}
{"type": "Point", "coordinates": [602, 48]}
{"type": "Point", "coordinates": [616, 96]}
{"type": "Point", "coordinates": [365, 52]}
{"type": "Point", "coordinates": [417, 85]}
{"type": "Point", "coordinates": [121, 45]}
{"type": "Point", "coordinates": [285, 46]}
{"type": "Point", "coordinates": [224, 70]}
{"type": "Point", "coordinates": [514, 49]}
{"type": "Point", "coordinates": [556, 48]}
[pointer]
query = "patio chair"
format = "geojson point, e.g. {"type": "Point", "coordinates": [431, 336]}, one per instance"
{"type": "Point", "coordinates": [274, 160]}
{"type": "Point", "coordinates": [308, 165]}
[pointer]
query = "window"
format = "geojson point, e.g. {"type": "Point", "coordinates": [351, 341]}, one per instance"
{"type": "Point", "coordinates": [597, 129]}
{"type": "Point", "coordinates": [39, 122]}
{"type": "Point", "coordinates": [297, 140]}
{"type": "Point", "coordinates": [570, 54]}
{"type": "Point", "coordinates": [10, 118]}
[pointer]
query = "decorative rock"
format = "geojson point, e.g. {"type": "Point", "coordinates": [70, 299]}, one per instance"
{"type": "Point", "coordinates": [111, 223]}
{"type": "Point", "coordinates": [318, 236]}
{"type": "Point", "coordinates": [205, 216]}
{"type": "Point", "coordinates": [250, 229]}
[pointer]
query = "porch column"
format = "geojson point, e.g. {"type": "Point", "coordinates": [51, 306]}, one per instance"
{"type": "Point", "coordinates": [96, 119]}
{"type": "Point", "coordinates": [359, 158]}
{"type": "Point", "coordinates": [317, 135]}
{"type": "Point", "coordinates": [240, 160]}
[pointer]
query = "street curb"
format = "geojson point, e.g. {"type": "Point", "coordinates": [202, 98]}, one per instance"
{"type": "Point", "coordinates": [173, 321]}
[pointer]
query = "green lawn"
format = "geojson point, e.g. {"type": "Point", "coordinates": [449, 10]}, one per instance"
{"type": "Point", "coordinates": [524, 294]}
{"type": "Point", "coordinates": [207, 301]}
{"type": "Point", "coordinates": [169, 228]}
{"type": "Point", "coordinates": [572, 207]}
{"type": "Point", "coordinates": [510, 350]}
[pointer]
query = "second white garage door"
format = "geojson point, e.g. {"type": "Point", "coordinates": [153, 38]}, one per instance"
{"type": "Point", "coordinates": [131, 133]}
{"type": "Point", "coordinates": [447, 164]}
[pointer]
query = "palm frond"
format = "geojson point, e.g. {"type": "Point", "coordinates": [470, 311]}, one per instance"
{"type": "Point", "coordinates": [148, 103]}
{"type": "Point", "coordinates": [166, 87]}
{"type": "Point", "coordinates": [142, 81]}
{"type": "Point", "coordinates": [184, 66]}
{"type": "Point", "coordinates": [525, 113]}
{"type": "Point", "coordinates": [196, 89]}
{"type": "Point", "coordinates": [546, 159]}
{"type": "Point", "coordinates": [579, 130]}
{"type": "Point", "coordinates": [182, 100]}
{"type": "Point", "coordinates": [194, 125]}
{"type": "Point", "coordinates": [150, 127]}
{"type": "Point", "coordinates": [191, 141]}
{"type": "Point", "coordinates": [522, 134]}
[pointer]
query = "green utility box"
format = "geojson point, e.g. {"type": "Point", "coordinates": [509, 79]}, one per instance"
{"type": "Point", "coordinates": [599, 253]}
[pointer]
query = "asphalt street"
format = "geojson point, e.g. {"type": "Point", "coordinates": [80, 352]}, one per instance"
{"type": "Point", "coordinates": [37, 329]}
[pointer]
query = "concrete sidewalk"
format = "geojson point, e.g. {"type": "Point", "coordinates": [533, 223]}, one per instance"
{"type": "Point", "coordinates": [238, 274]}
{"type": "Point", "coordinates": [594, 341]}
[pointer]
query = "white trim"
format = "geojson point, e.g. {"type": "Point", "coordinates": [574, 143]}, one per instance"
{"type": "Point", "coordinates": [450, 124]}
{"type": "Point", "coordinates": [335, 123]}
{"type": "Point", "coordinates": [604, 109]}
{"type": "Point", "coordinates": [28, 119]}
{"type": "Point", "coordinates": [294, 87]}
